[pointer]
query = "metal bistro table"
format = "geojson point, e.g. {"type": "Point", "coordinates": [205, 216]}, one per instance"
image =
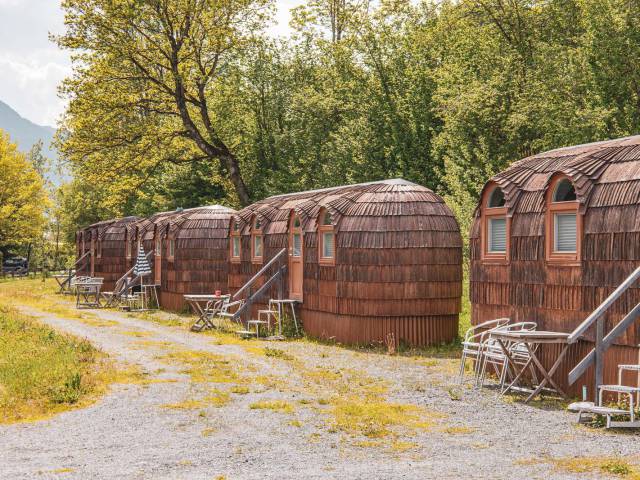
{"type": "Point", "coordinates": [206, 307]}
{"type": "Point", "coordinates": [88, 293]}
{"type": "Point", "coordinates": [531, 339]}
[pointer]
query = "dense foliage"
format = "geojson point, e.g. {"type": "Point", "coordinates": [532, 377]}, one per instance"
{"type": "Point", "coordinates": [185, 102]}
{"type": "Point", "coordinates": [22, 197]}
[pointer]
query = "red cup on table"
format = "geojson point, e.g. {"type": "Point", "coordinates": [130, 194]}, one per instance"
{"type": "Point", "coordinates": [218, 293]}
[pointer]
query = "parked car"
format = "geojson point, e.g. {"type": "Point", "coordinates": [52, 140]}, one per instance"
{"type": "Point", "coordinates": [15, 265]}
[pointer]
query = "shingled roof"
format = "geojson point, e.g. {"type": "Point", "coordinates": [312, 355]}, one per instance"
{"type": "Point", "coordinates": [604, 173]}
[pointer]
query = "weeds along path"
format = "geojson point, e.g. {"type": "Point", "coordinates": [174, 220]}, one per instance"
{"type": "Point", "coordinates": [212, 406]}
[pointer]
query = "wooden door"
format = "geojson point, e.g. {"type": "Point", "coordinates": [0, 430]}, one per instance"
{"type": "Point", "coordinates": [295, 258]}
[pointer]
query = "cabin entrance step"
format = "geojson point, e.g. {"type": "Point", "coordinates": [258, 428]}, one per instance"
{"type": "Point", "coordinates": [257, 324]}
{"type": "Point", "coordinates": [245, 333]}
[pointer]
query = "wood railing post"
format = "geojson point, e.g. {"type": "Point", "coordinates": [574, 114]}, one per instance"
{"type": "Point", "coordinates": [600, 352]}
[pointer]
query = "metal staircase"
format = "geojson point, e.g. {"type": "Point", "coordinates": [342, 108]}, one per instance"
{"type": "Point", "coordinates": [275, 273]}
{"type": "Point", "coordinates": [275, 269]}
{"type": "Point", "coordinates": [72, 273]}
{"type": "Point", "coordinates": [597, 354]}
{"type": "Point", "coordinates": [123, 286]}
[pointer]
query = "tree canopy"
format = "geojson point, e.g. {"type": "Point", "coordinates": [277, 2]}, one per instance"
{"type": "Point", "coordinates": [184, 102]}
{"type": "Point", "coordinates": [22, 197]}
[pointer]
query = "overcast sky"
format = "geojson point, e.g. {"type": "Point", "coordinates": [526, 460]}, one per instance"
{"type": "Point", "coordinates": [31, 67]}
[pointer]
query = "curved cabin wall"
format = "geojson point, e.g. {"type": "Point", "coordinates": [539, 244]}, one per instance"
{"type": "Point", "coordinates": [112, 262]}
{"type": "Point", "coordinates": [151, 233]}
{"type": "Point", "coordinates": [559, 293]}
{"type": "Point", "coordinates": [195, 257]}
{"type": "Point", "coordinates": [397, 264]}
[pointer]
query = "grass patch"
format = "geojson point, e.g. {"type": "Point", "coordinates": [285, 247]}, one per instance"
{"type": "Point", "coordinates": [603, 465]}
{"type": "Point", "coordinates": [162, 318]}
{"type": "Point", "coordinates": [216, 399]}
{"type": "Point", "coordinates": [609, 466]}
{"type": "Point", "coordinates": [275, 405]}
{"type": "Point", "coordinates": [277, 353]}
{"type": "Point", "coordinates": [42, 295]}
{"type": "Point", "coordinates": [204, 366]}
{"type": "Point", "coordinates": [135, 333]}
{"type": "Point", "coordinates": [43, 372]}
{"type": "Point", "coordinates": [376, 419]}
{"type": "Point", "coordinates": [240, 390]}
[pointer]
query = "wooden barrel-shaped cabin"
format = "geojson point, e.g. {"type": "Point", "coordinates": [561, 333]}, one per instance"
{"type": "Point", "coordinates": [364, 261]}
{"type": "Point", "coordinates": [150, 233]}
{"type": "Point", "coordinates": [106, 243]}
{"type": "Point", "coordinates": [195, 254]}
{"type": "Point", "coordinates": [552, 237]}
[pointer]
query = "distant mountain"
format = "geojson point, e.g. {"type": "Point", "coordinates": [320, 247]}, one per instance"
{"type": "Point", "coordinates": [25, 134]}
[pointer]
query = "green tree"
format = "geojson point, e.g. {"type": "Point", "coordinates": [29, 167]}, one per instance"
{"type": "Point", "coordinates": [22, 197]}
{"type": "Point", "coordinates": [144, 75]}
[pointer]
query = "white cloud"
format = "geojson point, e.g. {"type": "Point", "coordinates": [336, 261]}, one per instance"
{"type": "Point", "coordinates": [31, 67]}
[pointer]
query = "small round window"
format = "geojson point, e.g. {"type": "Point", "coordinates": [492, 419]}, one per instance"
{"type": "Point", "coordinates": [564, 192]}
{"type": "Point", "coordinates": [496, 199]}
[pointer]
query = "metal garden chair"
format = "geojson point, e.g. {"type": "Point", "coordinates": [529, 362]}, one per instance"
{"type": "Point", "coordinates": [472, 342]}
{"type": "Point", "coordinates": [491, 353]}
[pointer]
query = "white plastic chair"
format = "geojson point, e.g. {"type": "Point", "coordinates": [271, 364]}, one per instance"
{"type": "Point", "coordinates": [472, 342]}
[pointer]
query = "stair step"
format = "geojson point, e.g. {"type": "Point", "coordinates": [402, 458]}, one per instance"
{"type": "Point", "coordinates": [619, 388]}
{"type": "Point", "coordinates": [258, 322]}
{"type": "Point", "coordinates": [245, 333]}
{"type": "Point", "coordinates": [634, 368]}
{"type": "Point", "coordinates": [590, 407]}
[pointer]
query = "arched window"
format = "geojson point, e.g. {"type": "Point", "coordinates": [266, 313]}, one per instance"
{"type": "Point", "coordinates": [236, 243]}
{"type": "Point", "coordinates": [563, 223]}
{"type": "Point", "coordinates": [257, 241]}
{"type": "Point", "coordinates": [326, 238]}
{"type": "Point", "coordinates": [495, 225]}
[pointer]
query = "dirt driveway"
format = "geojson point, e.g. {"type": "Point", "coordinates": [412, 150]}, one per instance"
{"type": "Point", "coordinates": [216, 408]}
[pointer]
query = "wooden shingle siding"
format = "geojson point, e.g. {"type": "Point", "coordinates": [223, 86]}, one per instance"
{"type": "Point", "coordinates": [398, 261]}
{"type": "Point", "coordinates": [113, 263]}
{"type": "Point", "coordinates": [201, 260]}
{"type": "Point", "coordinates": [606, 176]}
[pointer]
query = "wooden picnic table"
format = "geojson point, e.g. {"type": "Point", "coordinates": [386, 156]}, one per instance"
{"type": "Point", "coordinates": [531, 339]}
{"type": "Point", "coordinates": [206, 307]}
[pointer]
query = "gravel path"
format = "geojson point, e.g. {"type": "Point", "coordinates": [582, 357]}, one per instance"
{"type": "Point", "coordinates": [130, 433]}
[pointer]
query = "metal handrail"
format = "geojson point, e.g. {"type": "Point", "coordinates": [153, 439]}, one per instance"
{"type": "Point", "coordinates": [130, 271]}
{"type": "Point", "coordinates": [602, 342]}
{"type": "Point", "coordinates": [260, 273]}
{"type": "Point", "coordinates": [603, 307]}
{"type": "Point", "coordinates": [82, 258]}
